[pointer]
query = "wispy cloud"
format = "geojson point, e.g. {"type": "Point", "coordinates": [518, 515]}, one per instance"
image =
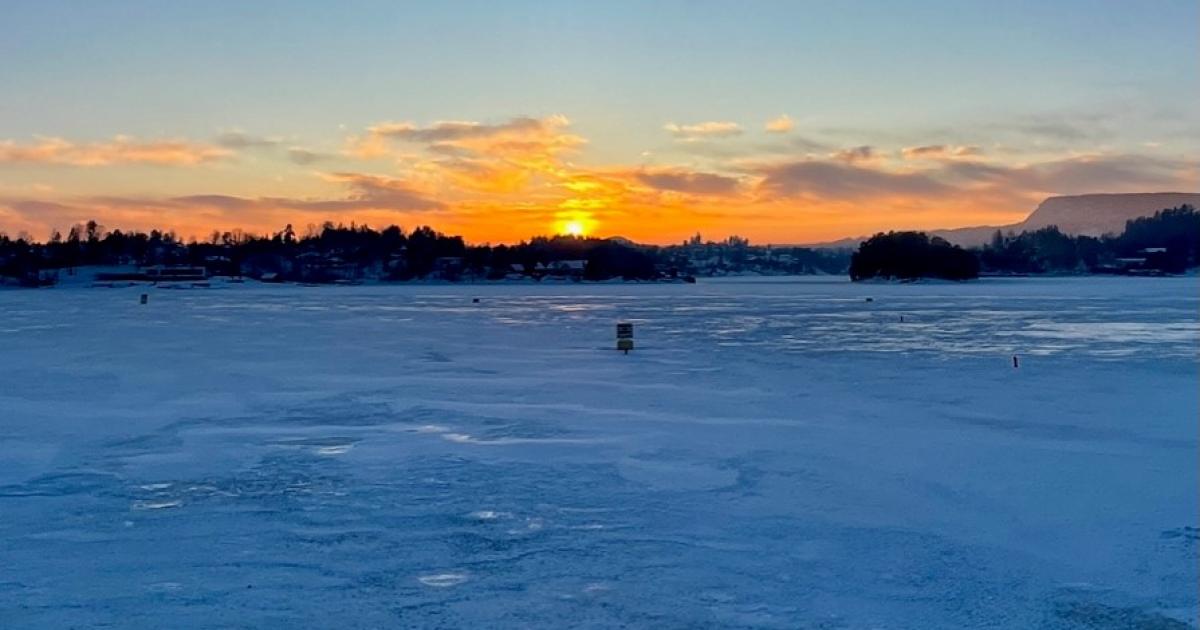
{"type": "Point", "coordinates": [243, 140]}
{"type": "Point", "coordinates": [303, 156]}
{"type": "Point", "coordinates": [364, 192]}
{"type": "Point", "coordinates": [839, 180]}
{"type": "Point", "coordinates": [514, 177]}
{"type": "Point", "coordinates": [857, 154]}
{"type": "Point", "coordinates": [930, 194]}
{"type": "Point", "coordinates": [941, 152]}
{"type": "Point", "coordinates": [367, 197]}
{"type": "Point", "coordinates": [1080, 174]}
{"type": "Point", "coordinates": [703, 130]}
{"type": "Point", "coordinates": [690, 182]}
{"type": "Point", "coordinates": [119, 150]}
{"type": "Point", "coordinates": [502, 157]}
{"type": "Point", "coordinates": [520, 135]}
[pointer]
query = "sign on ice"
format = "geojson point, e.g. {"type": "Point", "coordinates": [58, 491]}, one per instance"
{"type": "Point", "coordinates": [625, 337]}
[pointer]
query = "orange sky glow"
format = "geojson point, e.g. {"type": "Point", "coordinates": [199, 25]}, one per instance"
{"type": "Point", "coordinates": [506, 181]}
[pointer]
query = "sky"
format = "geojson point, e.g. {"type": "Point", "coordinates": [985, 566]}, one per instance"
{"type": "Point", "coordinates": [784, 122]}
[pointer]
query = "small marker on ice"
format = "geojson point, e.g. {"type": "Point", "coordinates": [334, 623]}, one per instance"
{"type": "Point", "coordinates": [1016, 364]}
{"type": "Point", "coordinates": [145, 298]}
{"type": "Point", "coordinates": [625, 337]}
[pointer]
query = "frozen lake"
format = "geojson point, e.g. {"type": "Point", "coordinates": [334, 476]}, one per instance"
{"type": "Point", "coordinates": [775, 454]}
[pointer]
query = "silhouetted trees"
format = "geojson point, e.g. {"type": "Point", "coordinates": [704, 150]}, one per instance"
{"type": "Point", "coordinates": [616, 260]}
{"type": "Point", "coordinates": [1176, 229]}
{"type": "Point", "coordinates": [1040, 251]}
{"type": "Point", "coordinates": [330, 253]}
{"type": "Point", "coordinates": [1167, 242]}
{"type": "Point", "coordinates": [911, 255]}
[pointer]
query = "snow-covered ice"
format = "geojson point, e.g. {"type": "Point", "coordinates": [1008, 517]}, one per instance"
{"type": "Point", "coordinates": [775, 453]}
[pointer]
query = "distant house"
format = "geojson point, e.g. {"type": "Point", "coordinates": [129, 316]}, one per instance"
{"type": "Point", "coordinates": [396, 263]}
{"type": "Point", "coordinates": [1160, 261]}
{"type": "Point", "coordinates": [448, 263]}
{"type": "Point", "coordinates": [258, 265]}
{"type": "Point", "coordinates": [448, 267]}
{"type": "Point", "coordinates": [221, 266]}
{"type": "Point", "coordinates": [320, 267]}
{"type": "Point", "coordinates": [174, 273]}
{"type": "Point", "coordinates": [567, 268]}
{"type": "Point", "coordinates": [1129, 265]}
{"type": "Point", "coordinates": [156, 273]}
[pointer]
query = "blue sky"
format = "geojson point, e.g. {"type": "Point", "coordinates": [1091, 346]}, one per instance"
{"type": "Point", "coordinates": [1026, 81]}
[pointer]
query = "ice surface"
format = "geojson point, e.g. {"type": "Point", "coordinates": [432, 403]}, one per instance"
{"type": "Point", "coordinates": [776, 454]}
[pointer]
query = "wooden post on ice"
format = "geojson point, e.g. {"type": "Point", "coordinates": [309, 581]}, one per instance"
{"type": "Point", "coordinates": [1016, 364]}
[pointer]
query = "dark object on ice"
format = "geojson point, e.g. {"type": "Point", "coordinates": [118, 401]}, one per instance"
{"type": "Point", "coordinates": [870, 299]}
{"type": "Point", "coordinates": [1016, 364]}
{"type": "Point", "coordinates": [474, 300]}
{"type": "Point", "coordinates": [901, 319]}
{"type": "Point", "coordinates": [145, 298]}
{"type": "Point", "coordinates": [625, 337]}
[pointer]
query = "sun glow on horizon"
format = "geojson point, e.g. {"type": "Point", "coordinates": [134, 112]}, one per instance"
{"type": "Point", "coordinates": [577, 226]}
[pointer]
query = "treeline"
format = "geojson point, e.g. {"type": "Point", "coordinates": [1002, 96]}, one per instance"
{"type": "Point", "coordinates": [736, 256]}
{"type": "Point", "coordinates": [340, 253]}
{"type": "Point", "coordinates": [327, 254]}
{"type": "Point", "coordinates": [1166, 243]}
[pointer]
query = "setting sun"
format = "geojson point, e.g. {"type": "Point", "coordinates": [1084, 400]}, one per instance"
{"type": "Point", "coordinates": [574, 222]}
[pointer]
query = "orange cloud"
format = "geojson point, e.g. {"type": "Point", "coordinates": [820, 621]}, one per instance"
{"type": "Point", "coordinates": [520, 135]}
{"type": "Point", "coordinates": [797, 200]}
{"type": "Point", "coordinates": [782, 124]}
{"type": "Point", "coordinates": [498, 158]}
{"type": "Point", "coordinates": [509, 180]}
{"type": "Point", "coordinates": [367, 198]}
{"type": "Point", "coordinates": [119, 150]}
